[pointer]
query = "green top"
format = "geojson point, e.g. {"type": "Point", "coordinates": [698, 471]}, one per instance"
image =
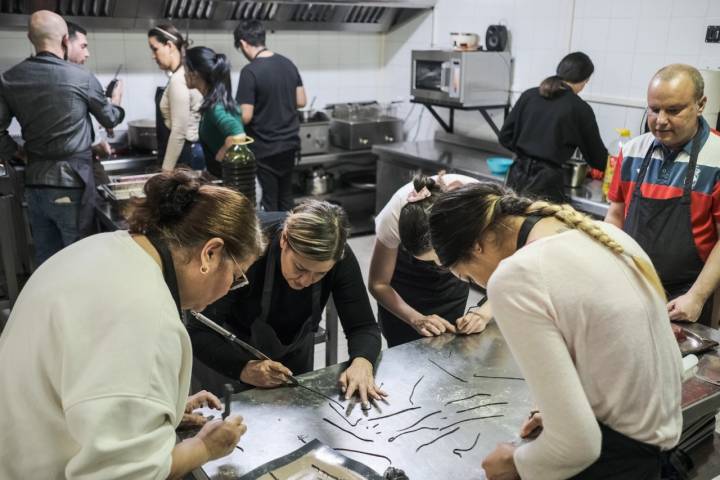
{"type": "Point", "coordinates": [216, 125]}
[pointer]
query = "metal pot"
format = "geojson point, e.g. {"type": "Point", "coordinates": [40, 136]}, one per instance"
{"type": "Point", "coordinates": [575, 173]}
{"type": "Point", "coordinates": [319, 182]}
{"type": "Point", "coordinates": [142, 135]}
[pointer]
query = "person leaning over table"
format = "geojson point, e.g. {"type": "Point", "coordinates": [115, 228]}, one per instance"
{"type": "Point", "coordinates": [100, 358]}
{"type": "Point", "coordinates": [279, 307]}
{"type": "Point", "coordinates": [177, 107]}
{"type": "Point", "coordinates": [665, 192]}
{"type": "Point", "coordinates": [546, 125]}
{"type": "Point", "coordinates": [416, 298]}
{"type": "Point", "coordinates": [583, 313]}
{"type": "Point", "coordinates": [209, 72]}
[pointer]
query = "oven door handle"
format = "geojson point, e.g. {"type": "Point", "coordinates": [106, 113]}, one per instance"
{"type": "Point", "coordinates": [445, 76]}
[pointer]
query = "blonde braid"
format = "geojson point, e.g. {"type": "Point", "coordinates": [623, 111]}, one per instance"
{"type": "Point", "coordinates": [576, 220]}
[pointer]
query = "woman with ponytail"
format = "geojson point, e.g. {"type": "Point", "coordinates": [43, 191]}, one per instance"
{"type": "Point", "coordinates": [209, 72]}
{"type": "Point", "coordinates": [546, 125]}
{"type": "Point", "coordinates": [583, 312]}
{"type": "Point", "coordinates": [415, 297]}
{"type": "Point", "coordinates": [98, 346]}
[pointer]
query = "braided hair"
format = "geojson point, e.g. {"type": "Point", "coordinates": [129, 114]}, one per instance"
{"type": "Point", "coordinates": [461, 217]}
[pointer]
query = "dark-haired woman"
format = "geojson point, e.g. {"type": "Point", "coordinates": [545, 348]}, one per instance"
{"type": "Point", "coordinates": [583, 312]}
{"type": "Point", "coordinates": [307, 259]}
{"type": "Point", "coordinates": [177, 106]}
{"type": "Point", "coordinates": [415, 297]}
{"type": "Point", "coordinates": [545, 127]}
{"type": "Point", "coordinates": [107, 375]}
{"type": "Point", "coordinates": [209, 72]}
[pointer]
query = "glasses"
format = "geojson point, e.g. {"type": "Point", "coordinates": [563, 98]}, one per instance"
{"type": "Point", "coordinates": [238, 281]}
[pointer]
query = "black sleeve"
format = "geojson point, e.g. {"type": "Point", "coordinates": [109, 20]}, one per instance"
{"type": "Point", "coordinates": [591, 144]}
{"type": "Point", "coordinates": [508, 132]}
{"type": "Point", "coordinates": [353, 306]}
{"type": "Point", "coordinates": [212, 348]}
{"type": "Point", "coordinates": [246, 88]}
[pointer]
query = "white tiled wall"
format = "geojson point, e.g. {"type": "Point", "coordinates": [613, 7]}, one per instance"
{"type": "Point", "coordinates": [628, 40]}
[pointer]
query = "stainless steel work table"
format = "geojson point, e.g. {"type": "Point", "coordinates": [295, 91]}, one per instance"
{"type": "Point", "coordinates": [280, 420]}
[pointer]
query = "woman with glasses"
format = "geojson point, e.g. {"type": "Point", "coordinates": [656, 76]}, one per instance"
{"type": "Point", "coordinates": [416, 298]}
{"type": "Point", "coordinates": [307, 259]}
{"type": "Point", "coordinates": [209, 72]}
{"type": "Point", "coordinates": [583, 312]}
{"type": "Point", "coordinates": [98, 348]}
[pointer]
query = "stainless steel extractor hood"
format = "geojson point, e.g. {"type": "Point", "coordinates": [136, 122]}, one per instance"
{"type": "Point", "coordinates": [340, 15]}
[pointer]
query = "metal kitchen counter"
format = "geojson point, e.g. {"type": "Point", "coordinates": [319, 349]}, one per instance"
{"type": "Point", "coordinates": [280, 420]}
{"type": "Point", "coordinates": [434, 155]}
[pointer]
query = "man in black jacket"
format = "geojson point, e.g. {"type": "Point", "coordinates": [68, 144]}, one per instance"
{"type": "Point", "coordinates": [52, 101]}
{"type": "Point", "coordinates": [269, 93]}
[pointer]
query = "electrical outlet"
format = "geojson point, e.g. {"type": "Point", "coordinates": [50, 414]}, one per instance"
{"type": "Point", "coordinates": [712, 35]}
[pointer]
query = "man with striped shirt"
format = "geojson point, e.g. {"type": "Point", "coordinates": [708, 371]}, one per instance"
{"type": "Point", "coordinates": [666, 192]}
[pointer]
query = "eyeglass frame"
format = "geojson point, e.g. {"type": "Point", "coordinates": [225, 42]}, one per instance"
{"type": "Point", "coordinates": [240, 282]}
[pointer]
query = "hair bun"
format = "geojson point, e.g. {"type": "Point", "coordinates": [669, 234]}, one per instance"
{"type": "Point", "coordinates": [177, 200]}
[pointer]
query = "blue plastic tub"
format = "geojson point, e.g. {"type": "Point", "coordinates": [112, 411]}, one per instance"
{"type": "Point", "coordinates": [499, 165]}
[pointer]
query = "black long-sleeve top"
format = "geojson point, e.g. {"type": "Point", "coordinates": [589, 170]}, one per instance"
{"type": "Point", "coordinates": [551, 129]}
{"type": "Point", "coordinates": [288, 311]}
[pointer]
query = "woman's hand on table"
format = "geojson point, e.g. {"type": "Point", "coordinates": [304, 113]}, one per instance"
{"type": "Point", "coordinates": [201, 399]}
{"type": "Point", "coordinates": [431, 325]}
{"type": "Point", "coordinates": [686, 307]}
{"type": "Point", "coordinates": [499, 464]}
{"type": "Point", "coordinates": [359, 378]}
{"type": "Point", "coordinates": [221, 436]}
{"type": "Point", "coordinates": [265, 373]}
{"type": "Point", "coordinates": [475, 320]}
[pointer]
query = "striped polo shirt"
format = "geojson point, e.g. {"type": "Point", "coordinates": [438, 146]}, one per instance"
{"type": "Point", "coordinates": [665, 179]}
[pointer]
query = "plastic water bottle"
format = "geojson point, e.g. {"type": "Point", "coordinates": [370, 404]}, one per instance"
{"type": "Point", "coordinates": [239, 167]}
{"type": "Point", "coordinates": [614, 150]}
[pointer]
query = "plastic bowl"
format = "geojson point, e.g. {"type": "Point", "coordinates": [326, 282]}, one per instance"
{"type": "Point", "coordinates": [499, 165]}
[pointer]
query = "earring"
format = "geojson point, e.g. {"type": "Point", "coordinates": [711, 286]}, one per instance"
{"type": "Point", "coordinates": [204, 270]}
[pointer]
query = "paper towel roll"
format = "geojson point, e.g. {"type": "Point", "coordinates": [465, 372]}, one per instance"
{"type": "Point", "coordinates": [712, 91]}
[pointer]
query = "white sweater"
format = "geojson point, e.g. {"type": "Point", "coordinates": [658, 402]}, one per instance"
{"type": "Point", "coordinates": [594, 342]}
{"type": "Point", "coordinates": [95, 367]}
{"type": "Point", "coordinates": [180, 109]}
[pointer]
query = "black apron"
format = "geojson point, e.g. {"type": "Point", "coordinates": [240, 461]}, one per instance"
{"type": "Point", "coordinates": [298, 354]}
{"type": "Point", "coordinates": [168, 269]}
{"type": "Point", "coordinates": [663, 228]}
{"type": "Point", "coordinates": [537, 179]}
{"type": "Point", "coordinates": [621, 457]}
{"type": "Point", "coordinates": [426, 288]}
{"type": "Point", "coordinates": [192, 154]}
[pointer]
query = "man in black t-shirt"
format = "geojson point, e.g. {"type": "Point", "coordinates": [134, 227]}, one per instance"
{"type": "Point", "coordinates": [269, 93]}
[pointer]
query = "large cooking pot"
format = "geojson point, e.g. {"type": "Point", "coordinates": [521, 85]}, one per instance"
{"type": "Point", "coordinates": [319, 182]}
{"type": "Point", "coordinates": [142, 135]}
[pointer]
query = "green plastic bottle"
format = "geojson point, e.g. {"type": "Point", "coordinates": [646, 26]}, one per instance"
{"type": "Point", "coordinates": [239, 167]}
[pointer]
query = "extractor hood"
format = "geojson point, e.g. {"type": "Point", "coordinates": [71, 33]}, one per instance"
{"type": "Point", "coordinates": [340, 15]}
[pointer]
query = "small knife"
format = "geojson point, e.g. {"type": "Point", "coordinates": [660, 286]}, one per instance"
{"type": "Point", "coordinates": [113, 83]}
{"type": "Point", "coordinates": [234, 339]}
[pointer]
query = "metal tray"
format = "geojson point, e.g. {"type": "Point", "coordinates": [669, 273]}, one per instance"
{"type": "Point", "coordinates": [695, 343]}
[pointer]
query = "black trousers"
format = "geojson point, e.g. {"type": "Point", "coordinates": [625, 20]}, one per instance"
{"type": "Point", "coordinates": [275, 176]}
{"type": "Point", "coordinates": [536, 179]}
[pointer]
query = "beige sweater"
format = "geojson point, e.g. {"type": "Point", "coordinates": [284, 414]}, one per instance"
{"type": "Point", "coordinates": [95, 367]}
{"type": "Point", "coordinates": [594, 342]}
{"type": "Point", "coordinates": [180, 109]}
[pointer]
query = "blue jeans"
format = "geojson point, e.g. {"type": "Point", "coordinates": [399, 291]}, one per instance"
{"type": "Point", "coordinates": [54, 215]}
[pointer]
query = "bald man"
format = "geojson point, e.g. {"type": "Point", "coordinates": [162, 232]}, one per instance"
{"type": "Point", "coordinates": [666, 192]}
{"type": "Point", "coordinates": [52, 101]}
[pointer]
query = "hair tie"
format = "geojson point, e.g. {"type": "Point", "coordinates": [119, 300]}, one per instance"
{"type": "Point", "coordinates": [414, 196]}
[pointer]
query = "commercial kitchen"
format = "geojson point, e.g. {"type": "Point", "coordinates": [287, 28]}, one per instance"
{"type": "Point", "coordinates": [393, 239]}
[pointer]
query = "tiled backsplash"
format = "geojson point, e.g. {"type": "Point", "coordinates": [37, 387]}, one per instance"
{"type": "Point", "coordinates": [628, 41]}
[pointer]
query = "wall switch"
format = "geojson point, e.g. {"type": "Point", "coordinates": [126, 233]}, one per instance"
{"type": "Point", "coordinates": [713, 34]}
